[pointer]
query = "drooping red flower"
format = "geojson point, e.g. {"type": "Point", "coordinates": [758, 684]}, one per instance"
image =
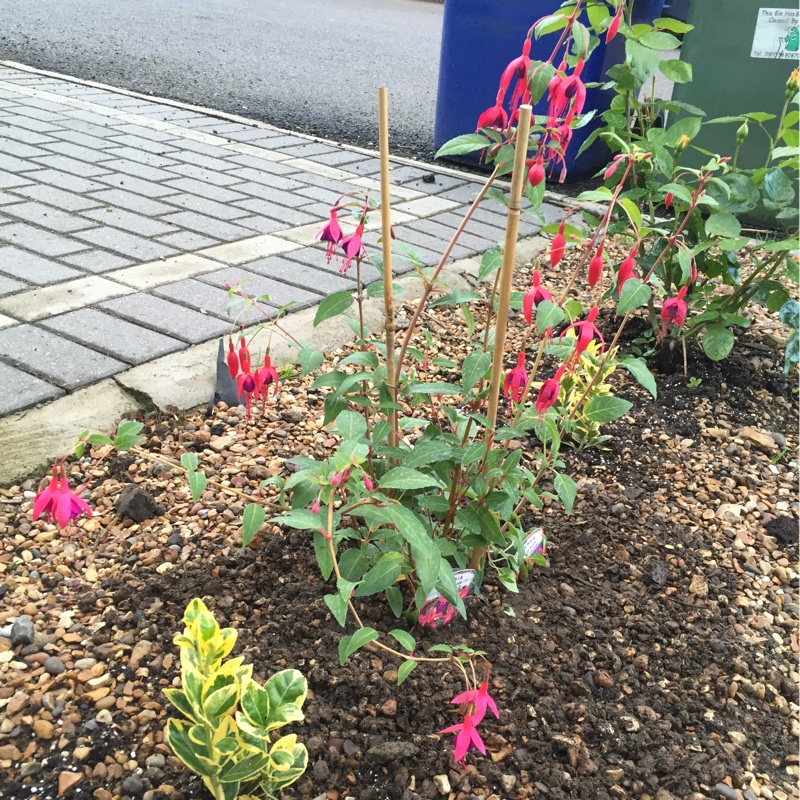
{"type": "Point", "coordinates": [247, 385]}
{"type": "Point", "coordinates": [585, 331]}
{"type": "Point", "coordinates": [244, 355]}
{"type": "Point", "coordinates": [266, 377]}
{"type": "Point", "coordinates": [668, 198]}
{"type": "Point", "coordinates": [331, 232]}
{"type": "Point", "coordinates": [549, 392]}
{"type": "Point", "coordinates": [467, 737]}
{"type": "Point", "coordinates": [674, 310]}
{"type": "Point", "coordinates": [557, 246]}
{"type": "Point", "coordinates": [516, 380]}
{"type": "Point", "coordinates": [58, 502]}
{"type": "Point", "coordinates": [494, 117]}
{"type": "Point", "coordinates": [352, 247]}
{"type": "Point", "coordinates": [535, 296]}
{"type": "Point", "coordinates": [479, 700]}
{"type": "Point", "coordinates": [517, 69]}
{"type": "Point", "coordinates": [596, 267]}
{"type": "Point", "coordinates": [626, 270]}
{"type": "Point", "coordinates": [233, 360]}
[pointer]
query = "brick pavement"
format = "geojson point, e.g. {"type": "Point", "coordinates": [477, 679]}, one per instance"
{"type": "Point", "coordinates": [122, 218]}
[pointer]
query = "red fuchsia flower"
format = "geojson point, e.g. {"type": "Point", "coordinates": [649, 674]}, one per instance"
{"type": "Point", "coordinates": [331, 232]}
{"type": "Point", "coordinates": [673, 312]}
{"type": "Point", "coordinates": [244, 355]}
{"type": "Point", "coordinates": [565, 93]}
{"type": "Point", "coordinates": [516, 380]}
{"type": "Point", "coordinates": [517, 69]}
{"type": "Point", "coordinates": [266, 376]}
{"type": "Point", "coordinates": [467, 737]}
{"type": "Point", "coordinates": [58, 502]}
{"type": "Point", "coordinates": [247, 385]}
{"type": "Point", "coordinates": [353, 247]}
{"type": "Point", "coordinates": [626, 270]}
{"type": "Point", "coordinates": [557, 246]}
{"type": "Point", "coordinates": [536, 172]}
{"type": "Point", "coordinates": [596, 267]}
{"type": "Point", "coordinates": [612, 167]}
{"type": "Point", "coordinates": [233, 360]}
{"type": "Point", "coordinates": [494, 117]}
{"type": "Point", "coordinates": [668, 198]}
{"type": "Point", "coordinates": [535, 296]}
{"type": "Point", "coordinates": [549, 392]}
{"type": "Point", "coordinates": [585, 331]}
{"type": "Point", "coordinates": [613, 28]}
{"type": "Point", "coordinates": [479, 700]}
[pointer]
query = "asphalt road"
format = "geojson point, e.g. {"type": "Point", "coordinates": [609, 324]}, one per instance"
{"type": "Point", "coordinates": [306, 65]}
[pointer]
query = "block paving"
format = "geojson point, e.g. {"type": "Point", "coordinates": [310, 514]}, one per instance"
{"type": "Point", "coordinates": [122, 219]}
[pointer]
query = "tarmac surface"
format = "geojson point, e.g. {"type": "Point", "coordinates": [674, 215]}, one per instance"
{"type": "Point", "coordinates": [122, 219]}
{"type": "Point", "coordinates": [308, 65]}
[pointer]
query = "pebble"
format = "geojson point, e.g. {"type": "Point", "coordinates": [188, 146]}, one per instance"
{"type": "Point", "coordinates": [133, 786]}
{"type": "Point", "coordinates": [22, 631]}
{"type": "Point", "coordinates": [727, 792]}
{"type": "Point", "coordinates": [54, 666]}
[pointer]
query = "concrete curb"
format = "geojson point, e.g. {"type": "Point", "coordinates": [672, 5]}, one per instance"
{"type": "Point", "coordinates": [185, 380]}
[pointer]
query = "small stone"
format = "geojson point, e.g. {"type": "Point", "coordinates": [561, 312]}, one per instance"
{"type": "Point", "coordinates": [141, 650]}
{"type": "Point", "coordinates": [22, 631]}
{"type": "Point", "coordinates": [602, 678]}
{"type": "Point", "coordinates": [727, 792]}
{"type": "Point", "coordinates": [778, 438]}
{"type": "Point", "coordinates": [386, 752]}
{"type": "Point", "coordinates": [156, 761]}
{"type": "Point", "coordinates": [29, 769]}
{"type": "Point", "coordinates": [618, 509]}
{"type": "Point", "coordinates": [389, 708]}
{"type": "Point", "coordinates": [321, 771]}
{"type": "Point", "coordinates": [763, 441]}
{"type": "Point", "coordinates": [81, 753]}
{"type": "Point", "coordinates": [66, 780]}
{"type": "Point", "coordinates": [641, 662]}
{"type": "Point", "coordinates": [508, 782]}
{"type": "Point", "coordinates": [102, 794]}
{"type": "Point", "coordinates": [104, 717]}
{"type": "Point", "coordinates": [442, 784]}
{"type": "Point", "coordinates": [615, 775]}
{"type": "Point", "coordinates": [43, 729]}
{"type": "Point", "coordinates": [698, 586]}
{"type": "Point", "coordinates": [54, 666]}
{"type": "Point", "coordinates": [737, 737]}
{"type": "Point", "coordinates": [133, 786]}
{"type": "Point", "coordinates": [136, 503]}
{"type": "Point", "coordinates": [9, 752]}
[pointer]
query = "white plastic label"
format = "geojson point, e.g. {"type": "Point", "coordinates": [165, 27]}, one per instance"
{"type": "Point", "coordinates": [777, 34]}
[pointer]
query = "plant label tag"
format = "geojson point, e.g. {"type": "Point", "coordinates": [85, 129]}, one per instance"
{"type": "Point", "coordinates": [535, 542]}
{"type": "Point", "coordinates": [437, 610]}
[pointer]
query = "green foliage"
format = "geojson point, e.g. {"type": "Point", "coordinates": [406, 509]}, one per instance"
{"type": "Point", "coordinates": [226, 736]}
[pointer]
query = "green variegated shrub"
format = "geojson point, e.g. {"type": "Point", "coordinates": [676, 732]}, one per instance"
{"type": "Point", "coordinates": [226, 737]}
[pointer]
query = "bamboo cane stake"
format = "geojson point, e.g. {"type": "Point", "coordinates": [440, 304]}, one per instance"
{"type": "Point", "coordinates": [507, 268]}
{"type": "Point", "coordinates": [386, 236]}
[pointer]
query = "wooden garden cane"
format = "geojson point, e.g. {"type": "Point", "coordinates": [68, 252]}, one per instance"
{"type": "Point", "coordinates": [504, 288]}
{"type": "Point", "coordinates": [386, 241]}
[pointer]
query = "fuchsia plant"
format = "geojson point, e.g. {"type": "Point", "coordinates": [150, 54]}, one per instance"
{"type": "Point", "coordinates": [58, 502]}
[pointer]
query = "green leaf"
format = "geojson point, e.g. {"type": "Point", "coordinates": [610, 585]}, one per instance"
{"type": "Point", "coordinates": [658, 40]}
{"type": "Point", "coordinates": [461, 145]}
{"type": "Point", "coordinates": [404, 479]}
{"type": "Point", "coordinates": [395, 599]}
{"type": "Point", "coordinates": [300, 519]}
{"type": "Point", "coordinates": [405, 639]}
{"type": "Point", "coordinates": [252, 520]}
{"type": "Point", "coordinates": [539, 76]}
{"type": "Point", "coordinates": [127, 435]}
{"type": "Point", "coordinates": [189, 461]}
{"type": "Point", "coordinates": [338, 606]}
{"type": "Point", "coordinates": [674, 25]}
{"type": "Point", "coordinates": [790, 314]}
{"type": "Point", "coordinates": [548, 315]}
{"type": "Point", "coordinates": [783, 244]}
{"type": "Point", "coordinates": [351, 425]}
{"type": "Point", "coordinates": [792, 354]}
{"type": "Point", "coordinates": [363, 358]}
{"type": "Point", "coordinates": [606, 408]}
{"type": "Point", "coordinates": [434, 388]}
{"type": "Point", "coordinates": [723, 224]}
{"type": "Point", "coordinates": [717, 342]}
{"type": "Point", "coordinates": [404, 670]}
{"type": "Point", "coordinates": [454, 298]}
{"type": "Point", "coordinates": [353, 564]}
{"type": "Point", "coordinates": [244, 770]}
{"type": "Point", "coordinates": [475, 366]}
{"type": "Point", "coordinates": [383, 575]}
{"type": "Point", "coordinates": [349, 644]}
{"type": "Point", "coordinates": [197, 484]}
{"type": "Point", "coordinates": [310, 359]}
{"type": "Point", "coordinates": [688, 126]}
{"type": "Point", "coordinates": [333, 305]}
{"type": "Point", "coordinates": [566, 489]}
{"type": "Point", "coordinates": [100, 439]}
{"type": "Point", "coordinates": [634, 294]}
{"type": "Point", "coordinates": [323, 553]}
{"type": "Point", "coordinates": [638, 368]}
{"type": "Point", "coordinates": [491, 261]}
{"type": "Point", "coordinates": [632, 211]}
{"type": "Point", "coordinates": [778, 190]}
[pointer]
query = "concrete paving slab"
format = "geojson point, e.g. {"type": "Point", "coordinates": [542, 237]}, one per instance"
{"type": "Point", "coordinates": [157, 273]}
{"type": "Point", "coordinates": [248, 249]}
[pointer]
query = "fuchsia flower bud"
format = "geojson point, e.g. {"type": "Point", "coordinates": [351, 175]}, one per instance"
{"type": "Point", "coordinates": [535, 296]}
{"type": "Point", "coordinates": [626, 271]}
{"type": "Point", "coordinates": [336, 479]}
{"type": "Point", "coordinates": [596, 267]}
{"type": "Point", "coordinates": [536, 172]}
{"type": "Point", "coordinates": [233, 361]}
{"type": "Point", "coordinates": [368, 484]}
{"type": "Point", "coordinates": [244, 355]}
{"type": "Point", "coordinates": [613, 28]}
{"type": "Point", "coordinates": [516, 380]}
{"type": "Point", "coordinates": [557, 246]}
{"type": "Point", "coordinates": [549, 392]}
{"type": "Point", "coordinates": [668, 198]}
{"type": "Point", "coordinates": [315, 507]}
